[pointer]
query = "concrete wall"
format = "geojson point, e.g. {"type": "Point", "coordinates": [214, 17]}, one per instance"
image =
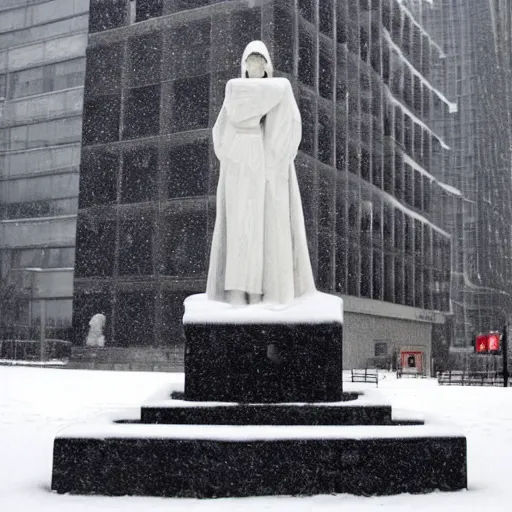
{"type": "Point", "coordinates": [402, 328]}
{"type": "Point", "coordinates": [361, 332]}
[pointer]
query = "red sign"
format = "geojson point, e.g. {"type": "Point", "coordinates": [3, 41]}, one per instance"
{"type": "Point", "coordinates": [411, 360]}
{"type": "Point", "coordinates": [482, 343]}
{"type": "Point", "coordinates": [493, 342]}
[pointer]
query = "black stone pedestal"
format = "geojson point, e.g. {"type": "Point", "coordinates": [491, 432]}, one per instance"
{"type": "Point", "coordinates": [274, 434]}
{"type": "Point", "coordinates": [260, 363]}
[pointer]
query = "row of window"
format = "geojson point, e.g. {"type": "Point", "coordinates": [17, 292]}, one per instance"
{"type": "Point", "coordinates": [182, 246]}
{"type": "Point", "coordinates": [47, 257]}
{"type": "Point", "coordinates": [48, 106]}
{"type": "Point", "coordinates": [42, 79]}
{"type": "Point", "coordinates": [176, 245]}
{"type": "Point", "coordinates": [184, 173]}
{"type": "Point", "coordinates": [35, 33]}
{"type": "Point", "coordinates": [40, 160]}
{"type": "Point", "coordinates": [37, 135]}
{"type": "Point", "coordinates": [43, 208]}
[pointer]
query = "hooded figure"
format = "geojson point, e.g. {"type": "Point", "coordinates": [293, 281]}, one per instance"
{"type": "Point", "coordinates": [259, 249]}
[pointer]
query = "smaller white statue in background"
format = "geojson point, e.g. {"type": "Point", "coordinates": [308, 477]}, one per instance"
{"type": "Point", "coordinates": [95, 337]}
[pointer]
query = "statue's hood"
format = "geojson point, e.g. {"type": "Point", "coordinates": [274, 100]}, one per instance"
{"type": "Point", "coordinates": [257, 47]}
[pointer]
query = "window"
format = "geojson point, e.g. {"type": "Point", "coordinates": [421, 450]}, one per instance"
{"type": "Point", "coordinates": [191, 103]}
{"type": "Point", "coordinates": [3, 86]}
{"type": "Point", "coordinates": [283, 59]}
{"type": "Point", "coordinates": [142, 112]}
{"type": "Point", "coordinates": [381, 348]}
{"type": "Point", "coordinates": [187, 169]}
{"type": "Point", "coordinates": [135, 319]}
{"type": "Point", "coordinates": [95, 243]}
{"type": "Point", "coordinates": [308, 124]}
{"type": "Point", "coordinates": [325, 138]}
{"type": "Point", "coordinates": [103, 75]}
{"type": "Point", "coordinates": [189, 52]}
{"type": "Point", "coordinates": [326, 16]}
{"type": "Point", "coordinates": [106, 14]}
{"type": "Point", "coordinates": [136, 247]}
{"type": "Point", "coordinates": [185, 244]}
{"type": "Point", "coordinates": [145, 59]}
{"type": "Point", "coordinates": [139, 175]}
{"type": "Point", "coordinates": [326, 75]}
{"type": "Point", "coordinates": [98, 178]}
{"type": "Point", "coordinates": [27, 82]}
{"type": "Point", "coordinates": [146, 9]}
{"type": "Point", "coordinates": [307, 9]}
{"type": "Point", "coordinates": [60, 257]}
{"type": "Point", "coordinates": [57, 311]}
{"type": "Point", "coordinates": [306, 59]}
{"type": "Point", "coordinates": [101, 119]}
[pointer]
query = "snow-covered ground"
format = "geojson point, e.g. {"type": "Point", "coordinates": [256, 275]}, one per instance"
{"type": "Point", "coordinates": [36, 402]}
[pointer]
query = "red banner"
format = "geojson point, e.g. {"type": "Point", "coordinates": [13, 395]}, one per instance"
{"type": "Point", "coordinates": [482, 343]}
{"type": "Point", "coordinates": [493, 342]}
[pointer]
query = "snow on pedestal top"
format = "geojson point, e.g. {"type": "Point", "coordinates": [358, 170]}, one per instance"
{"type": "Point", "coordinates": [314, 308]}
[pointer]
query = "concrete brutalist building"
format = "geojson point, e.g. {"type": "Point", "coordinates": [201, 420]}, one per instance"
{"type": "Point", "coordinates": [42, 70]}
{"type": "Point", "coordinates": [370, 166]}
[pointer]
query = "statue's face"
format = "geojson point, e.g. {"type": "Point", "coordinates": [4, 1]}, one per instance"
{"type": "Point", "coordinates": [255, 65]}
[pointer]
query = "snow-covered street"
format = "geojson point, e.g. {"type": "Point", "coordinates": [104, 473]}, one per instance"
{"type": "Point", "coordinates": [36, 402]}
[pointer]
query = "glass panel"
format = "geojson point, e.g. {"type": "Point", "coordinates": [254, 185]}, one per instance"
{"type": "Point", "coordinates": [283, 22]}
{"type": "Point", "coordinates": [189, 49]}
{"type": "Point", "coordinates": [307, 9]}
{"type": "Point", "coordinates": [145, 54]}
{"type": "Point", "coordinates": [95, 243]}
{"type": "Point", "coordinates": [308, 124]}
{"type": "Point", "coordinates": [101, 119]}
{"type": "Point", "coordinates": [326, 16]}
{"type": "Point", "coordinates": [142, 112]}
{"type": "Point", "coordinates": [191, 103]}
{"type": "Point", "coordinates": [139, 175]}
{"type": "Point", "coordinates": [3, 86]}
{"type": "Point", "coordinates": [326, 75]}
{"type": "Point", "coordinates": [103, 74]}
{"type": "Point", "coordinates": [146, 9]}
{"type": "Point", "coordinates": [188, 167]}
{"type": "Point", "coordinates": [58, 313]}
{"type": "Point", "coordinates": [306, 59]}
{"type": "Point", "coordinates": [135, 247]}
{"type": "Point", "coordinates": [98, 178]}
{"type": "Point", "coordinates": [135, 319]}
{"type": "Point", "coordinates": [26, 82]}
{"type": "Point", "coordinates": [106, 14]}
{"type": "Point", "coordinates": [185, 244]}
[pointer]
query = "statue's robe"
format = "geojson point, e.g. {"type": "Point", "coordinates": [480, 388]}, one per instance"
{"type": "Point", "coordinates": [259, 243]}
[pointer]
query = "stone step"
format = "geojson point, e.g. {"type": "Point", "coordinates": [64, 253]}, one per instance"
{"type": "Point", "coordinates": [179, 465]}
{"type": "Point", "coordinates": [266, 414]}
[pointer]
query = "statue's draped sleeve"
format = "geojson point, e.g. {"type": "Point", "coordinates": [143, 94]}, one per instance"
{"type": "Point", "coordinates": [283, 129]}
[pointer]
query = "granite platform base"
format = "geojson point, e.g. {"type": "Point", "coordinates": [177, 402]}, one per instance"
{"type": "Point", "coordinates": [264, 353]}
{"type": "Point", "coordinates": [177, 448]}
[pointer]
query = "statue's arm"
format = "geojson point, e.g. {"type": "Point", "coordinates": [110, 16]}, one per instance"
{"type": "Point", "coordinates": [283, 130]}
{"type": "Point", "coordinates": [223, 131]}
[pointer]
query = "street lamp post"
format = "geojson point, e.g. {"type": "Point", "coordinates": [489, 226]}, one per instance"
{"type": "Point", "coordinates": [504, 343]}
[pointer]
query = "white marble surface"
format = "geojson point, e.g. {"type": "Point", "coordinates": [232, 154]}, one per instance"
{"type": "Point", "coordinates": [259, 244]}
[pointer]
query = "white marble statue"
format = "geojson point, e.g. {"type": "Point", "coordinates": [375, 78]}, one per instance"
{"type": "Point", "coordinates": [95, 337]}
{"type": "Point", "coordinates": [259, 250]}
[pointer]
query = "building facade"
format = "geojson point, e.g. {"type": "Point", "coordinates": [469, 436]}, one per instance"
{"type": "Point", "coordinates": [370, 165]}
{"type": "Point", "coordinates": [42, 71]}
{"type": "Point", "coordinates": [476, 38]}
